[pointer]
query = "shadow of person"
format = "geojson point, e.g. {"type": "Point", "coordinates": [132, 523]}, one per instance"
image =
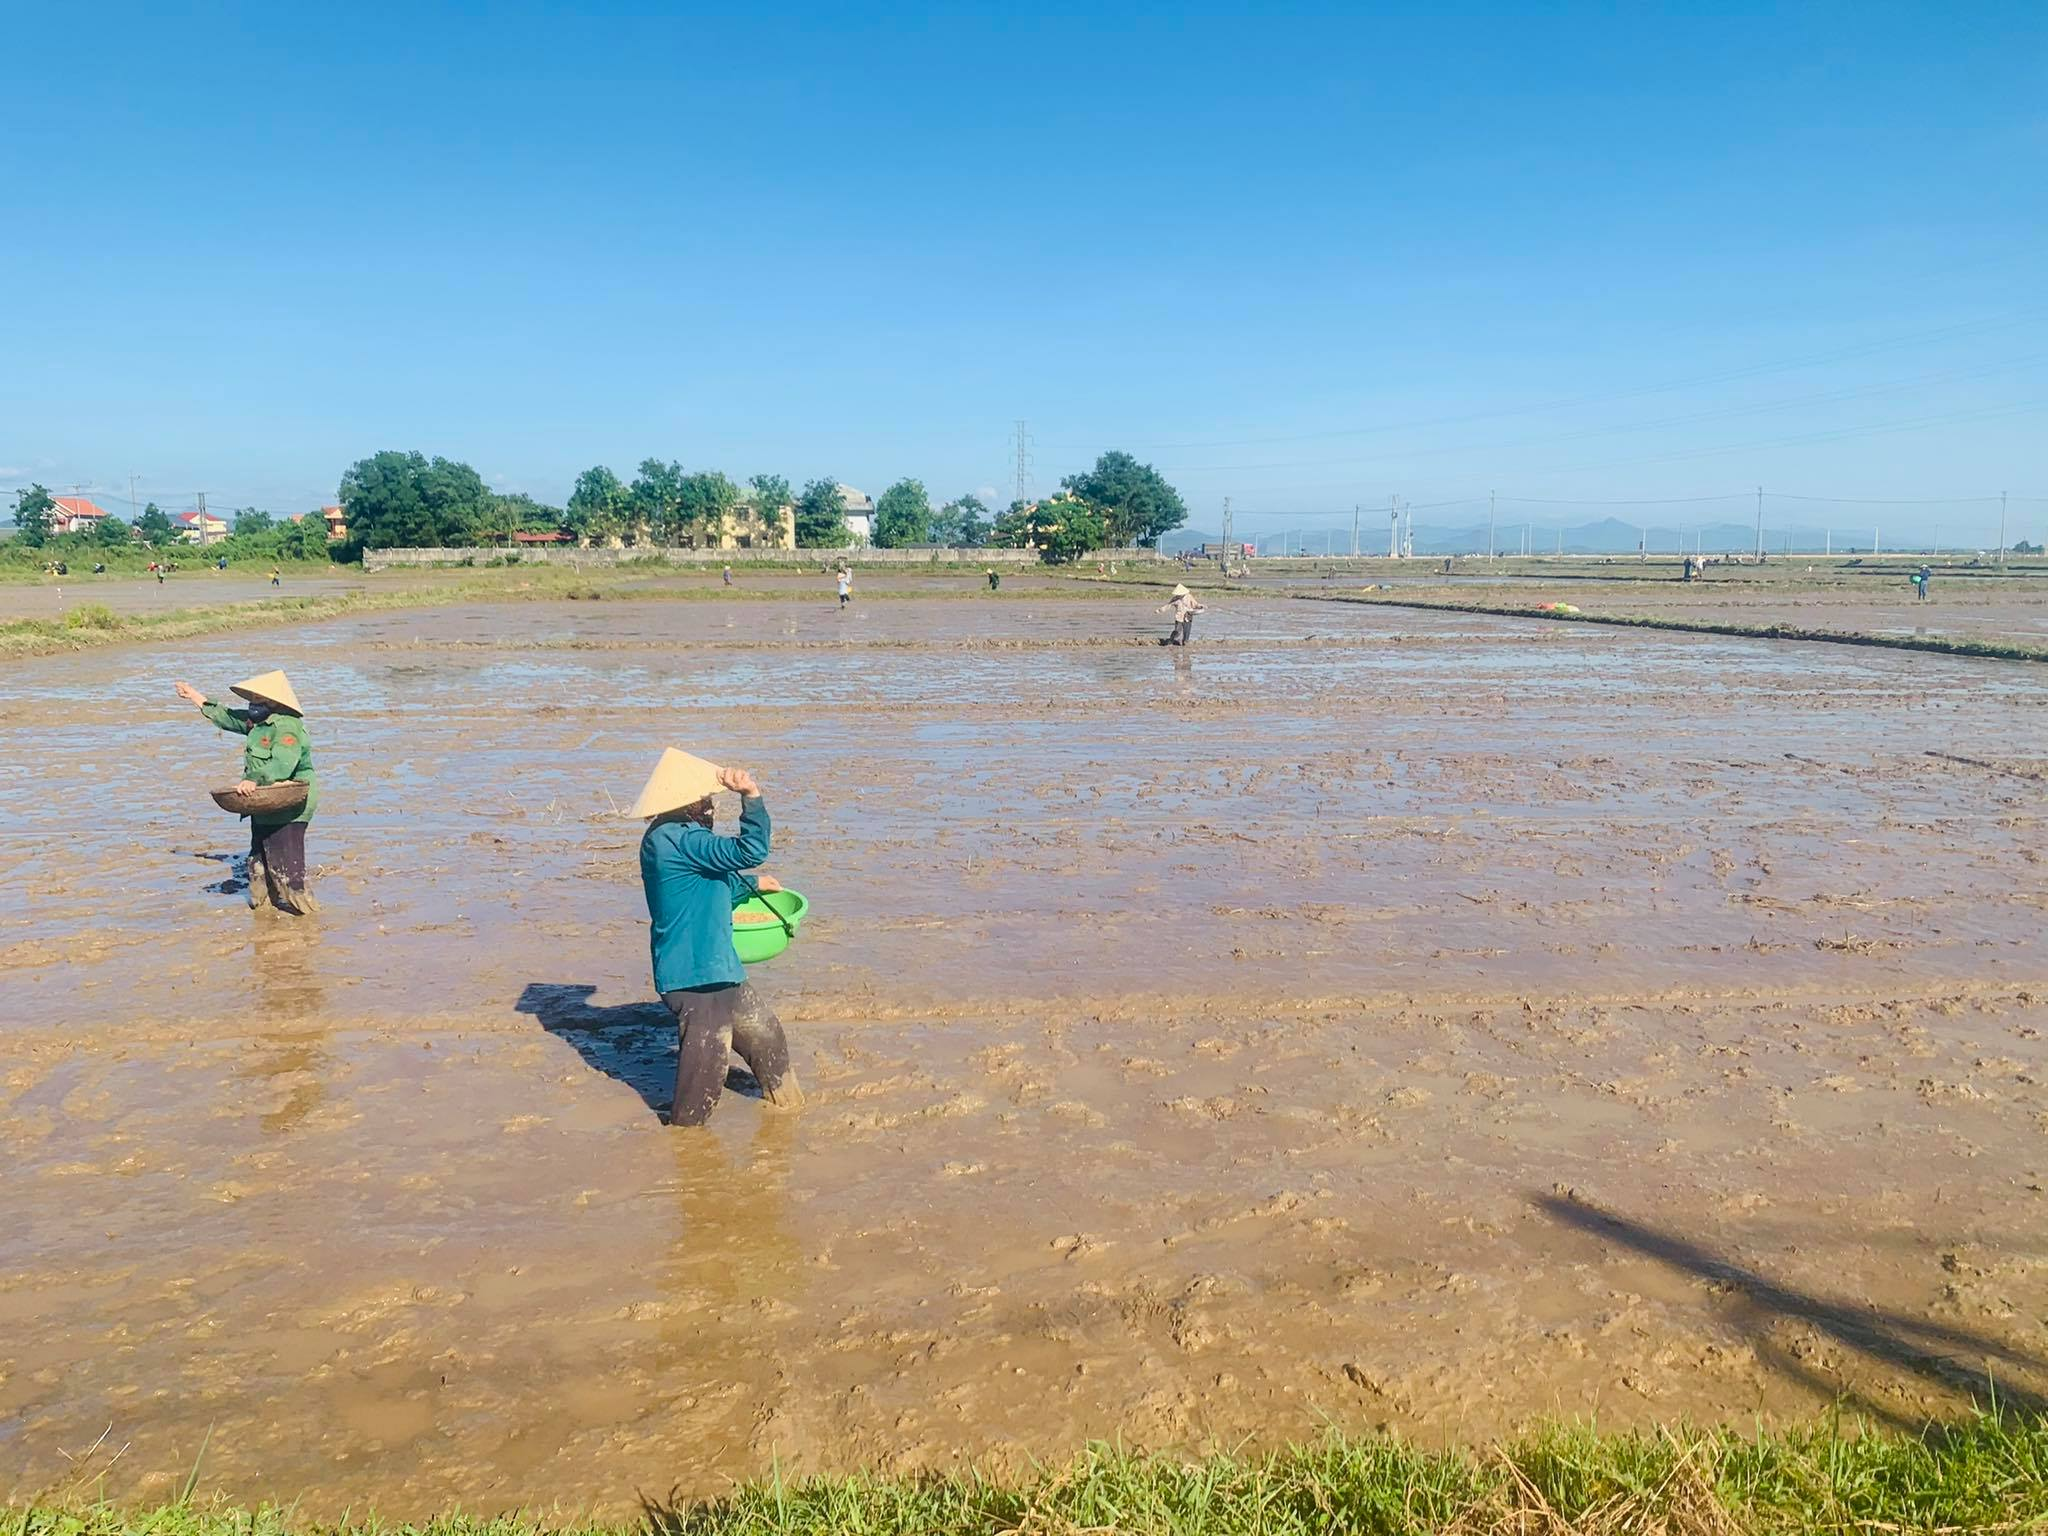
{"type": "Point", "coordinates": [631, 1043]}
{"type": "Point", "coordinates": [235, 881]}
{"type": "Point", "coordinates": [1975, 1368]}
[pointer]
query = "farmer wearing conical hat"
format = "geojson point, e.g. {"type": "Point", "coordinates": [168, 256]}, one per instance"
{"type": "Point", "coordinates": [693, 879]}
{"type": "Point", "coordinates": [275, 749]}
{"type": "Point", "coordinates": [1183, 605]}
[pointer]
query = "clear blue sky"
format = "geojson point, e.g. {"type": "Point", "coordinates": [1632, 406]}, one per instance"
{"type": "Point", "coordinates": [1302, 257]}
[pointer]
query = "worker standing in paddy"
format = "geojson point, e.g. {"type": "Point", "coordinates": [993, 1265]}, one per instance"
{"type": "Point", "coordinates": [1184, 605]}
{"type": "Point", "coordinates": [693, 878]}
{"type": "Point", "coordinates": [845, 584]}
{"type": "Point", "coordinates": [275, 750]}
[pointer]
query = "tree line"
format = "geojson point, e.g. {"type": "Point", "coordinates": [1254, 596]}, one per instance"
{"type": "Point", "coordinates": [395, 500]}
{"type": "Point", "coordinates": [254, 535]}
{"type": "Point", "coordinates": [401, 500]}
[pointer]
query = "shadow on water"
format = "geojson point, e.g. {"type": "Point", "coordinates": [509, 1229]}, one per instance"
{"type": "Point", "coordinates": [631, 1043]}
{"type": "Point", "coordinates": [1969, 1366]}
{"type": "Point", "coordinates": [235, 882]}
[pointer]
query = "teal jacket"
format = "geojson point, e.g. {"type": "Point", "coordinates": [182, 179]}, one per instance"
{"type": "Point", "coordinates": [693, 878]}
{"type": "Point", "coordinates": [276, 750]}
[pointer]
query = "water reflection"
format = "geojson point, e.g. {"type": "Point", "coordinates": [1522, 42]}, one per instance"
{"type": "Point", "coordinates": [729, 1194]}
{"type": "Point", "coordinates": [291, 996]}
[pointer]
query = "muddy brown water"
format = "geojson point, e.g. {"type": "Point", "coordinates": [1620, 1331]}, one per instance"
{"type": "Point", "coordinates": [1372, 1016]}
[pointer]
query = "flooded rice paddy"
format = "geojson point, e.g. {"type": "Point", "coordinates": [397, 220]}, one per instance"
{"type": "Point", "coordinates": [1372, 1016]}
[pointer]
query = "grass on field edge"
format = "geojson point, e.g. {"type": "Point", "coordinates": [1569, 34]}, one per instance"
{"type": "Point", "coordinates": [1996, 650]}
{"type": "Point", "coordinates": [1984, 1474]}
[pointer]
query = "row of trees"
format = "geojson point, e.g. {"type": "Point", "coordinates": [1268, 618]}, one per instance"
{"type": "Point", "coordinates": [255, 535]}
{"type": "Point", "coordinates": [406, 500]}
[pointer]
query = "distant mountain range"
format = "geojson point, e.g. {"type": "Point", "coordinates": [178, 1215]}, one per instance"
{"type": "Point", "coordinates": [1608, 536]}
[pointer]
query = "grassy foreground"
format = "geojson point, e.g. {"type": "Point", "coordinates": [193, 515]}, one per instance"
{"type": "Point", "coordinates": [1986, 1474]}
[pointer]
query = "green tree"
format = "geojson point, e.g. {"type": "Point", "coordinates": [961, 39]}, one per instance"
{"type": "Point", "coordinates": [305, 539]}
{"type": "Point", "coordinates": [769, 496]}
{"type": "Point", "coordinates": [517, 512]}
{"type": "Point", "coordinates": [707, 502]}
{"type": "Point", "coordinates": [654, 501]}
{"type": "Point", "coordinates": [1137, 504]}
{"type": "Point", "coordinates": [1062, 528]}
{"type": "Point", "coordinates": [34, 510]}
{"type": "Point", "coordinates": [597, 506]}
{"type": "Point", "coordinates": [155, 526]}
{"type": "Point", "coordinates": [249, 520]}
{"type": "Point", "coordinates": [407, 501]}
{"type": "Point", "coordinates": [962, 523]}
{"type": "Point", "coordinates": [112, 533]}
{"type": "Point", "coordinates": [903, 516]}
{"type": "Point", "coordinates": [821, 517]}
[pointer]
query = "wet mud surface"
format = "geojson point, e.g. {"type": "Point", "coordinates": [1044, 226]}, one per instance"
{"type": "Point", "coordinates": [2011, 610]}
{"type": "Point", "coordinates": [52, 596]}
{"type": "Point", "coordinates": [1372, 1017]}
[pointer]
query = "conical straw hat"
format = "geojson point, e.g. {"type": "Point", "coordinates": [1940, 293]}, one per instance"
{"type": "Point", "coordinates": [678, 780]}
{"type": "Point", "coordinates": [1181, 591]}
{"type": "Point", "coordinates": [269, 688]}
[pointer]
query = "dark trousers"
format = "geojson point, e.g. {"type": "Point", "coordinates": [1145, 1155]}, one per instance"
{"type": "Point", "coordinates": [1183, 629]}
{"type": "Point", "coordinates": [714, 1022]}
{"type": "Point", "coordinates": [277, 868]}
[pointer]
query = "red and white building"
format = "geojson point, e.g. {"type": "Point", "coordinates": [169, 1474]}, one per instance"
{"type": "Point", "coordinates": [75, 514]}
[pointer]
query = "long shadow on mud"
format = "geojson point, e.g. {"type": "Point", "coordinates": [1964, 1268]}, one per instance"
{"type": "Point", "coordinates": [1965, 1365]}
{"type": "Point", "coordinates": [631, 1043]}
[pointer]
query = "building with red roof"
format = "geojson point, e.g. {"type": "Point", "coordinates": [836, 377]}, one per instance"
{"type": "Point", "coordinates": [75, 514]}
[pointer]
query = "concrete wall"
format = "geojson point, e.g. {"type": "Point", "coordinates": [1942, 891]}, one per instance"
{"type": "Point", "coordinates": [782, 559]}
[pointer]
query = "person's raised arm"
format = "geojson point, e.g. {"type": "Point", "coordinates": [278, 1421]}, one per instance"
{"type": "Point", "coordinates": [219, 714]}
{"type": "Point", "coordinates": [709, 854]}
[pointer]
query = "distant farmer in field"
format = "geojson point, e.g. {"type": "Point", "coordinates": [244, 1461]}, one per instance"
{"type": "Point", "coordinates": [1922, 579]}
{"type": "Point", "coordinates": [1184, 605]}
{"type": "Point", "coordinates": [995, 579]}
{"type": "Point", "coordinates": [845, 585]}
{"type": "Point", "coordinates": [693, 879]}
{"type": "Point", "coordinates": [273, 576]}
{"type": "Point", "coordinates": [728, 575]}
{"type": "Point", "coordinates": [275, 750]}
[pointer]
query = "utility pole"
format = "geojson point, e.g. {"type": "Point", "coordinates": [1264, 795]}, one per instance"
{"type": "Point", "coordinates": [1023, 461]}
{"type": "Point", "coordinates": [132, 513]}
{"type": "Point", "coordinates": [1759, 523]}
{"type": "Point", "coordinates": [1408, 541]}
{"type": "Point", "coordinates": [2001, 528]}
{"type": "Point", "coordinates": [1393, 527]}
{"type": "Point", "coordinates": [1873, 541]}
{"type": "Point", "coordinates": [1226, 536]}
{"type": "Point", "coordinates": [1829, 544]}
{"type": "Point", "coordinates": [1354, 530]}
{"type": "Point", "coordinates": [1489, 524]}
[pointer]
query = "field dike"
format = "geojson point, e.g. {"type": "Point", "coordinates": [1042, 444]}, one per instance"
{"type": "Point", "coordinates": [1989, 649]}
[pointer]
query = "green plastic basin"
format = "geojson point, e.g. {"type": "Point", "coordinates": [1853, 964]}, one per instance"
{"type": "Point", "coordinates": [758, 930]}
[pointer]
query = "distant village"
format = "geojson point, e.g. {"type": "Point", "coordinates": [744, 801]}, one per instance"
{"type": "Point", "coordinates": [81, 515]}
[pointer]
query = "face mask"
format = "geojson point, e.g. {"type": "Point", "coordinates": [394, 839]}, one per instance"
{"type": "Point", "coordinates": [259, 713]}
